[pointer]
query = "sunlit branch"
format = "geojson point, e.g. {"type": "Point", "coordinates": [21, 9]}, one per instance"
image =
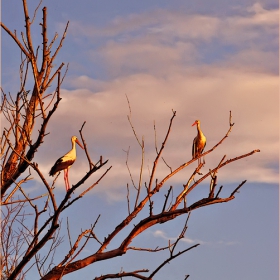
{"type": "Point", "coordinates": [160, 152]}
{"type": "Point", "coordinates": [85, 147]}
{"type": "Point", "coordinates": [16, 40]}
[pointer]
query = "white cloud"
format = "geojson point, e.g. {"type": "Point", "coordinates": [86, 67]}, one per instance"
{"type": "Point", "coordinates": [176, 23]}
{"type": "Point", "coordinates": [262, 16]}
{"type": "Point", "coordinates": [162, 234]}
{"type": "Point", "coordinates": [207, 94]}
{"type": "Point", "coordinates": [168, 26]}
{"type": "Point", "coordinates": [158, 69]}
{"type": "Point", "coordinates": [168, 44]}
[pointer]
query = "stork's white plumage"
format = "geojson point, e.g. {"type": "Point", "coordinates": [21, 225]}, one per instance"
{"type": "Point", "coordinates": [199, 142]}
{"type": "Point", "coordinates": [65, 162]}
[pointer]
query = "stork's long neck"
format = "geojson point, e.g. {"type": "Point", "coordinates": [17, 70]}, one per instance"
{"type": "Point", "coordinates": [73, 150]}
{"type": "Point", "coordinates": [199, 132]}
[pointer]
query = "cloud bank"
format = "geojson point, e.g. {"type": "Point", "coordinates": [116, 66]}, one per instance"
{"type": "Point", "coordinates": [202, 66]}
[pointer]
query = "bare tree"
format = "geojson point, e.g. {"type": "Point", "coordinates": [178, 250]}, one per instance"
{"type": "Point", "coordinates": [30, 224]}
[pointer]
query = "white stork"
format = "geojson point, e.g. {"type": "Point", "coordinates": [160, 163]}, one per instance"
{"type": "Point", "coordinates": [65, 162]}
{"type": "Point", "coordinates": [199, 142]}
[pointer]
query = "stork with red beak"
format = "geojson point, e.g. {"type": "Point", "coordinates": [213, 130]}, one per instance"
{"type": "Point", "coordinates": [199, 142]}
{"type": "Point", "coordinates": [65, 162]}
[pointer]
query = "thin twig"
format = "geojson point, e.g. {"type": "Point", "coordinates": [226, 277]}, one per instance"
{"type": "Point", "coordinates": [35, 12]}
{"type": "Point", "coordinates": [220, 189]}
{"type": "Point", "coordinates": [69, 235]}
{"type": "Point", "coordinates": [160, 151]}
{"type": "Point", "coordinates": [85, 147]}
{"type": "Point", "coordinates": [166, 198]}
{"type": "Point", "coordinates": [141, 173]}
{"type": "Point", "coordinates": [127, 166]}
{"type": "Point", "coordinates": [169, 259]}
{"type": "Point", "coordinates": [127, 197]}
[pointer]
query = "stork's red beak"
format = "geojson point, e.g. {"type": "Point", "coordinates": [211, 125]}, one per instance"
{"type": "Point", "coordinates": [77, 141]}
{"type": "Point", "coordinates": [194, 123]}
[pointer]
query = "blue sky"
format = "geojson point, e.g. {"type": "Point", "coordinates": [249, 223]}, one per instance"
{"type": "Point", "coordinates": [200, 58]}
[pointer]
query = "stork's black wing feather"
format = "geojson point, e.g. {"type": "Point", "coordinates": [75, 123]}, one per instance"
{"type": "Point", "coordinates": [55, 168]}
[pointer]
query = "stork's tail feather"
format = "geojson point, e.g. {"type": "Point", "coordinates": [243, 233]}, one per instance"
{"type": "Point", "coordinates": [55, 168]}
{"type": "Point", "coordinates": [52, 171]}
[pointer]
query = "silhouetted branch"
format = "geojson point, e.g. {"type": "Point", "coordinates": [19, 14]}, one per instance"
{"type": "Point", "coordinates": [134, 274]}
{"type": "Point", "coordinates": [166, 198]}
{"type": "Point", "coordinates": [170, 259]}
{"type": "Point", "coordinates": [127, 198]}
{"type": "Point", "coordinates": [85, 147]}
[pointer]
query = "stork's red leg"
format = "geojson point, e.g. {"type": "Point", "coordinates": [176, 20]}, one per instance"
{"type": "Point", "coordinates": [64, 171]}
{"type": "Point", "coordinates": [66, 179]}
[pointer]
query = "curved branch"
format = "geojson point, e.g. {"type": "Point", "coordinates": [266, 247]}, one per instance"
{"type": "Point", "coordinates": [14, 37]}
{"type": "Point", "coordinates": [134, 274]}
{"type": "Point", "coordinates": [160, 152]}
{"type": "Point", "coordinates": [170, 259]}
{"type": "Point", "coordinates": [187, 191]}
{"type": "Point", "coordinates": [27, 28]}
